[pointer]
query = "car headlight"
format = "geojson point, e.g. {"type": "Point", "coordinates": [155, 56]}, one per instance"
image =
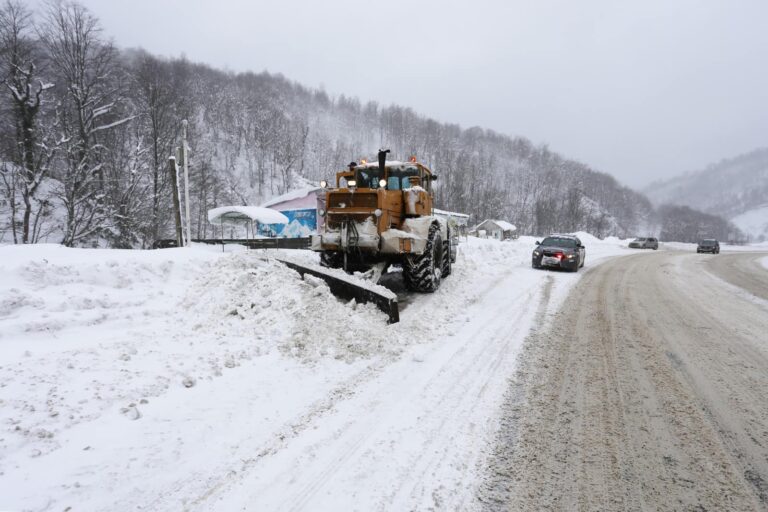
{"type": "Point", "coordinates": [536, 253]}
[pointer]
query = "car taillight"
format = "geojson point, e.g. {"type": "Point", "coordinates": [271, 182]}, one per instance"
{"type": "Point", "coordinates": [559, 255]}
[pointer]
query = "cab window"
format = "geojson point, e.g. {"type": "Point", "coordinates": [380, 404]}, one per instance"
{"type": "Point", "coordinates": [400, 179]}
{"type": "Point", "coordinates": [368, 178]}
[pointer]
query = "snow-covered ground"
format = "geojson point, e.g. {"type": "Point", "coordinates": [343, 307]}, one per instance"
{"type": "Point", "coordinates": [196, 379]}
{"type": "Point", "coordinates": [754, 222]}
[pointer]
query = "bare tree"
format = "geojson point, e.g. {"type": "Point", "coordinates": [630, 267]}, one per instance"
{"type": "Point", "coordinates": [160, 99]}
{"type": "Point", "coordinates": [30, 152]}
{"type": "Point", "coordinates": [91, 92]}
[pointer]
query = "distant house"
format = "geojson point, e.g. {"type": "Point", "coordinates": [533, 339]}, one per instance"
{"type": "Point", "coordinates": [300, 206]}
{"type": "Point", "coordinates": [498, 229]}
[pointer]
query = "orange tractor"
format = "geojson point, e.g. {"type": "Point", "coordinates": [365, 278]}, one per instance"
{"type": "Point", "coordinates": [380, 214]}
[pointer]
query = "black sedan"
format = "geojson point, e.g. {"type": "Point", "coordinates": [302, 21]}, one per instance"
{"type": "Point", "coordinates": [559, 251]}
{"type": "Point", "coordinates": [709, 245]}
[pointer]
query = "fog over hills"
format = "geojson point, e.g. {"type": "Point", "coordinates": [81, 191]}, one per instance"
{"type": "Point", "coordinates": [734, 188]}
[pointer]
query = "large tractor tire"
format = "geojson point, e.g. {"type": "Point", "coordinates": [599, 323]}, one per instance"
{"type": "Point", "coordinates": [422, 273]}
{"type": "Point", "coordinates": [332, 259]}
{"type": "Point", "coordinates": [446, 267]}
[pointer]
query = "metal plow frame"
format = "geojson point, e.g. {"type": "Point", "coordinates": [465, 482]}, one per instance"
{"type": "Point", "coordinates": [349, 291]}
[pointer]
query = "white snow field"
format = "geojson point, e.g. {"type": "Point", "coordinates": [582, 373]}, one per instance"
{"type": "Point", "coordinates": [191, 379]}
{"type": "Point", "coordinates": [753, 222]}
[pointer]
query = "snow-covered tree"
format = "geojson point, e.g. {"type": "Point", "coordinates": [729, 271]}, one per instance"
{"type": "Point", "coordinates": [27, 150]}
{"type": "Point", "coordinates": [89, 94]}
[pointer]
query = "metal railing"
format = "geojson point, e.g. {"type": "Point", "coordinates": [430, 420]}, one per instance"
{"type": "Point", "coordinates": [252, 243]}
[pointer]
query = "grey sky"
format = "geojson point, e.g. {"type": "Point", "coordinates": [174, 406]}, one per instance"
{"type": "Point", "coordinates": [642, 90]}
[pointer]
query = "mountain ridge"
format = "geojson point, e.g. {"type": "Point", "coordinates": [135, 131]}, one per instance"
{"type": "Point", "coordinates": [734, 188]}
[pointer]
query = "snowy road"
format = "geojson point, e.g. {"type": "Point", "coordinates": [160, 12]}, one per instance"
{"type": "Point", "coordinates": [647, 393]}
{"type": "Point", "coordinates": [743, 271]}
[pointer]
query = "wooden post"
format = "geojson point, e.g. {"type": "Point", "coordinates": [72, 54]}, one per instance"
{"type": "Point", "coordinates": [176, 206]}
{"type": "Point", "coordinates": [185, 165]}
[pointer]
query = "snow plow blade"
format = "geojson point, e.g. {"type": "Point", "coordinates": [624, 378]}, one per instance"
{"type": "Point", "coordinates": [348, 290]}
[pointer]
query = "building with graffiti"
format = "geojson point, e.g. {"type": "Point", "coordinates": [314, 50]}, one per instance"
{"type": "Point", "coordinates": [300, 207]}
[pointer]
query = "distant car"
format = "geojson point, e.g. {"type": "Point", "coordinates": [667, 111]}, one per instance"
{"type": "Point", "coordinates": [708, 245]}
{"type": "Point", "coordinates": [644, 243]}
{"type": "Point", "coordinates": [559, 251]}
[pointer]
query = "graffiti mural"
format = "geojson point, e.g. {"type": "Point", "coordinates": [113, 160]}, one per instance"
{"type": "Point", "coordinates": [301, 223]}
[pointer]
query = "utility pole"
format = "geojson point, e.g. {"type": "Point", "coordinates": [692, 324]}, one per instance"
{"type": "Point", "coordinates": [176, 206]}
{"type": "Point", "coordinates": [184, 162]}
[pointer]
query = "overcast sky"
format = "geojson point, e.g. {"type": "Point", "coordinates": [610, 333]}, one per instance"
{"type": "Point", "coordinates": [642, 90]}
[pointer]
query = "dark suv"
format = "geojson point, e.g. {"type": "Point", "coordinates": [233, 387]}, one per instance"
{"type": "Point", "coordinates": [644, 243]}
{"type": "Point", "coordinates": [708, 245]}
{"type": "Point", "coordinates": [559, 251]}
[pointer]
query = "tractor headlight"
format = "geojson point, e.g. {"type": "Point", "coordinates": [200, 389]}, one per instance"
{"type": "Point", "coordinates": [321, 212]}
{"type": "Point", "coordinates": [377, 212]}
{"type": "Point", "coordinates": [323, 183]}
{"type": "Point", "coordinates": [351, 183]}
{"type": "Point", "coordinates": [382, 183]}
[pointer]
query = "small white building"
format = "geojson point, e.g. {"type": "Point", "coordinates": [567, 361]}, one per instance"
{"type": "Point", "coordinates": [498, 229]}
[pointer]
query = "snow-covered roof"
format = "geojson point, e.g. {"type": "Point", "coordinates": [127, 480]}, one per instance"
{"type": "Point", "coordinates": [242, 213]}
{"type": "Point", "coordinates": [506, 226]}
{"type": "Point", "coordinates": [451, 214]}
{"type": "Point", "coordinates": [290, 196]}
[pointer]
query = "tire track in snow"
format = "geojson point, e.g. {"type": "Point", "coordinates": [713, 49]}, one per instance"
{"type": "Point", "coordinates": [278, 441]}
{"type": "Point", "coordinates": [409, 407]}
{"type": "Point", "coordinates": [644, 394]}
{"type": "Point", "coordinates": [367, 430]}
{"type": "Point", "coordinates": [509, 337]}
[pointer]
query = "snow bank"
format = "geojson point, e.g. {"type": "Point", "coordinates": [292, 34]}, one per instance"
{"type": "Point", "coordinates": [253, 295]}
{"type": "Point", "coordinates": [83, 331]}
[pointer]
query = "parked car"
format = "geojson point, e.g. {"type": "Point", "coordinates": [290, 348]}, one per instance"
{"type": "Point", "coordinates": [708, 245]}
{"type": "Point", "coordinates": [559, 251]}
{"type": "Point", "coordinates": [644, 243]}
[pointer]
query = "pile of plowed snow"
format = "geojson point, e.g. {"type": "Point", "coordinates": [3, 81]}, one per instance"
{"type": "Point", "coordinates": [85, 331]}
{"type": "Point", "coordinates": [254, 296]}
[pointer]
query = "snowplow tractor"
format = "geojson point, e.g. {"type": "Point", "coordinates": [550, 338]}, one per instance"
{"type": "Point", "coordinates": [379, 214]}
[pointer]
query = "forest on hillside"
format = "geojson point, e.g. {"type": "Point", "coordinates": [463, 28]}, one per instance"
{"type": "Point", "coordinates": [87, 131]}
{"type": "Point", "coordinates": [728, 187]}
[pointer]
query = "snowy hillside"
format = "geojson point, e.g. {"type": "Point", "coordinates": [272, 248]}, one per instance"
{"type": "Point", "coordinates": [196, 379]}
{"type": "Point", "coordinates": [252, 136]}
{"type": "Point", "coordinates": [730, 189]}
{"type": "Point", "coordinates": [754, 222]}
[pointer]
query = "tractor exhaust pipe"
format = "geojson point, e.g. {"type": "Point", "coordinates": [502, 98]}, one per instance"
{"type": "Point", "coordinates": [382, 161]}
